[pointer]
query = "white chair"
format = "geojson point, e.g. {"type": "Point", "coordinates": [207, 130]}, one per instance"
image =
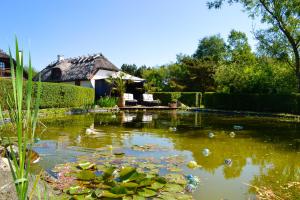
{"type": "Point", "coordinates": [149, 101]}
{"type": "Point", "coordinates": [129, 100]}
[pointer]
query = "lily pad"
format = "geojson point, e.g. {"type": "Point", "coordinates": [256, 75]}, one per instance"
{"type": "Point", "coordinates": [176, 178]}
{"type": "Point", "coordinates": [86, 165]}
{"type": "Point", "coordinates": [78, 190]}
{"type": "Point", "coordinates": [156, 185]}
{"type": "Point", "coordinates": [173, 188]}
{"type": "Point", "coordinates": [147, 193]}
{"type": "Point", "coordinates": [86, 175]}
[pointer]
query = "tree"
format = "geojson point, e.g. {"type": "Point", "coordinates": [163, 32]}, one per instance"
{"type": "Point", "coordinates": [212, 48]}
{"type": "Point", "coordinates": [129, 68]}
{"type": "Point", "coordinates": [283, 16]}
{"type": "Point", "coordinates": [239, 50]}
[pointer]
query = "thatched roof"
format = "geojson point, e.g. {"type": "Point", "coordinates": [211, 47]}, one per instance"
{"type": "Point", "coordinates": [71, 69]}
{"type": "Point", "coordinates": [3, 54]}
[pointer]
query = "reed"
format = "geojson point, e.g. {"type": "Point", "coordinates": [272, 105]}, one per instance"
{"type": "Point", "coordinates": [23, 107]}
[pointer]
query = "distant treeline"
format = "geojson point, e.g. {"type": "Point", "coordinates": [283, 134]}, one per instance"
{"type": "Point", "coordinates": [225, 66]}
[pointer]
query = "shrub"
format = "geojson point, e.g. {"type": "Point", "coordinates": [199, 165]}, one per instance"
{"type": "Point", "coordinates": [54, 95]}
{"type": "Point", "coordinates": [289, 103]}
{"type": "Point", "coordinates": [107, 102]}
{"type": "Point", "coordinates": [187, 98]}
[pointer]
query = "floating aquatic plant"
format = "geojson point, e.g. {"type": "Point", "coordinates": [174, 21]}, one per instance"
{"type": "Point", "coordinates": [106, 175]}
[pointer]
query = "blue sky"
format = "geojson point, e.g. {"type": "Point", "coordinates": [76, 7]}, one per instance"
{"type": "Point", "coordinates": [147, 32]}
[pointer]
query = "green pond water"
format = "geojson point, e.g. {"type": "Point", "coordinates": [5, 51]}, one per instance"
{"type": "Point", "coordinates": [265, 153]}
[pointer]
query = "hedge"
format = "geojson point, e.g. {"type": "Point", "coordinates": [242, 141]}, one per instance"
{"type": "Point", "coordinates": [192, 99]}
{"type": "Point", "coordinates": [289, 103]}
{"type": "Point", "coordinates": [54, 95]}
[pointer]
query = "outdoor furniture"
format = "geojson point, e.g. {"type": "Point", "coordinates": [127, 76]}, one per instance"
{"type": "Point", "coordinates": [149, 101]}
{"type": "Point", "coordinates": [129, 100]}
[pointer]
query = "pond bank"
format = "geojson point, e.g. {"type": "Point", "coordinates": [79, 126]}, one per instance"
{"type": "Point", "coordinates": [289, 117]}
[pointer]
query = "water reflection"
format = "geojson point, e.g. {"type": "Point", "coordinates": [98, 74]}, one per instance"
{"type": "Point", "coordinates": [264, 153]}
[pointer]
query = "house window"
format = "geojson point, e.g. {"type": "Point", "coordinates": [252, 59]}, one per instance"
{"type": "Point", "coordinates": [2, 68]}
{"type": "Point", "coordinates": [55, 74]}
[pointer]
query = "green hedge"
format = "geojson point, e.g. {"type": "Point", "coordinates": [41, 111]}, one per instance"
{"type": "Point", "coordinates": [188, 98]}
{"type": "Point", "coordinates": [289, 103]}
{"type": "Point", "coordinates": [54, 95]}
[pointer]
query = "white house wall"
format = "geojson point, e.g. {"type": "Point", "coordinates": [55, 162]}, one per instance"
{"type": "Point", "coordinates": [87, 84]}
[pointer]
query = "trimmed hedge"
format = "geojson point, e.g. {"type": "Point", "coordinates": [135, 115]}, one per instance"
{"type": "Point", "coordinates": [289, 103]}
{"type": "Point", "coordinates": [188, 98]}
{"type": "Point", "coordinates": [54, 95]}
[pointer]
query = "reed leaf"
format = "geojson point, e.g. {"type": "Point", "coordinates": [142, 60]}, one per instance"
{"type": "Point", "coordinates": [24, 121]}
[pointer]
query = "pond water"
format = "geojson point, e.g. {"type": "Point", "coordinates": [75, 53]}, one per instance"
{"type": "Point", "coordinates": [263, 152]}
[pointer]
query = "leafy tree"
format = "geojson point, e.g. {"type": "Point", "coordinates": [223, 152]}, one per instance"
{"type": "Point", "coordinates": [239, 50]}
{"type": "Point", "coordinates": [129, 68]}
{"type": "Point", "coordinates": [133, 69]}
{"type": "Point", "coordinates": [283, 18]}
{"type": "Point", "coordinates": [212, 48]}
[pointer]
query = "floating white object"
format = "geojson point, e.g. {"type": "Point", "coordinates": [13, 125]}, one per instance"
{"type": "Point", "coordinates": [192, 164]}
{"type": "Point", "coordinates": [206, 152]}
{"type": "Point", "coordinates": [232, 134]}
{"type": "Point", "coordinates": [211, 135]}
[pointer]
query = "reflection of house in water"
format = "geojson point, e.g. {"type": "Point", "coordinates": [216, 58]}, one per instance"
{"type": "Point", "coordinates": [147, 118]}
{"type": "Point", "coordinates": [128, 117]}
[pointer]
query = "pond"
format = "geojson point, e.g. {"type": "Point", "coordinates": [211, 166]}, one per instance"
{"type": "Point", "coordinates": [236, 153]}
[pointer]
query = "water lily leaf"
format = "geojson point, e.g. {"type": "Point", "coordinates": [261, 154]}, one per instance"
{"type": "Point", "coordinates": [147, 193]}
{"type": "Point", "coordinates": [126, 172]}
{"type": "Point", "coordinates": [146, 182]}
{"type": "Point", "coordinates": [119, 190]}
{"type": "Point", "coordinates": [136, 197]}
{"type": "Point", "coordinates": [130, 185]}
{"type": "Point", "coordinates": [86, 175]}
{"type": "Point", "coordinates": [86, 165]}
{"type": "Point", "coordinates": [127, 198]}
{"type": "Point", "coordinates": [78, 190]}
{"type": "Point", "coordinates": [176, 178]}
{"type": "Point", "coordinates": [173, 188]}
{"type": "Point", "coordinates": [161, 179]}
{"type": "Point", "coordinates": [156, 185]}
{"type": "Point", "coordinates": [108, 194]}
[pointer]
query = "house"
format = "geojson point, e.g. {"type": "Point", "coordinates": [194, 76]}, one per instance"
{"type": "Point", "coordinates": [87, 71]}
{"type": "Point", "coordinates": [5, 68]}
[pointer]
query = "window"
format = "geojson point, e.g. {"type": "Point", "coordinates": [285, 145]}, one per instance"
{"type": "Point", "coordinates": [2, 68]}
{"type": "Point", "coordinates": [55, 74]}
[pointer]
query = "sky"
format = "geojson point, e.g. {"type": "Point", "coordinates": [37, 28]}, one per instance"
{"type": "Point", "coordinates": [142, 32]}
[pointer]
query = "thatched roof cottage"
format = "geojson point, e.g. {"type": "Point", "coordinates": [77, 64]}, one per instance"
{"type": "Point", "coordinates": [5, 68]}
{"type": "Point", "coordinates": [87, 71]}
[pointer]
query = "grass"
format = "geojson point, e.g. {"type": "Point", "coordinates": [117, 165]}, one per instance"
{"type": "Point", "coordinates": [24, 117]}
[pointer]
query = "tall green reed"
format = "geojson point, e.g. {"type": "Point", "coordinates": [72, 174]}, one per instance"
{"type": "Point", "coordinates": [23, 108]}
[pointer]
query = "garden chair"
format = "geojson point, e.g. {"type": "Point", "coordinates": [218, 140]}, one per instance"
{"type": "Point", "coordinates": [149, 101]}
{"type": "Point", "coordinates": [129, 100]}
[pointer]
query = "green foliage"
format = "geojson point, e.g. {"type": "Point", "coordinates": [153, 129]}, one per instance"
{"type": "Point", "coordinates": [212, 48]}
{"type": "Point", "coordinates": [175, 96]}
{"type": "Point", "coordinates": [239, 50]}
{"type": "Point", "coordinates": [282, 37]}
{"type": "Point", "coordinates": [188, 98]}
{"type": "Point", "coordinates": [54, 95]}
{"type": "Point", "coordinates": [107, 102]}
{"type": "Point", "coordinates": [266, 76]}
{"type": "Point", "coordinates": [133, 69]}
{"type": "Point", "coordinates": [23, 105]}
{"type": "Point", "coordinates": [289, 103]}
{"type": "Point", "coordinates": [118, 83]}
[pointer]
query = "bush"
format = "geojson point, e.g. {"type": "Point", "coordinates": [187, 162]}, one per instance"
{"type": "Point", "coordinates": [289, 103]}
{"type": "Point", "coordinates": [187, 98]}
{"type": "Point", "coordinates": [107, 102]}
{"type": "Point", "coordinates": [54, 95]}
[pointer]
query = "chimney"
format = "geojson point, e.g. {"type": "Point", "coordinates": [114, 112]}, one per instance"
{"type": "Point", "coordinates": [60, 58]}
